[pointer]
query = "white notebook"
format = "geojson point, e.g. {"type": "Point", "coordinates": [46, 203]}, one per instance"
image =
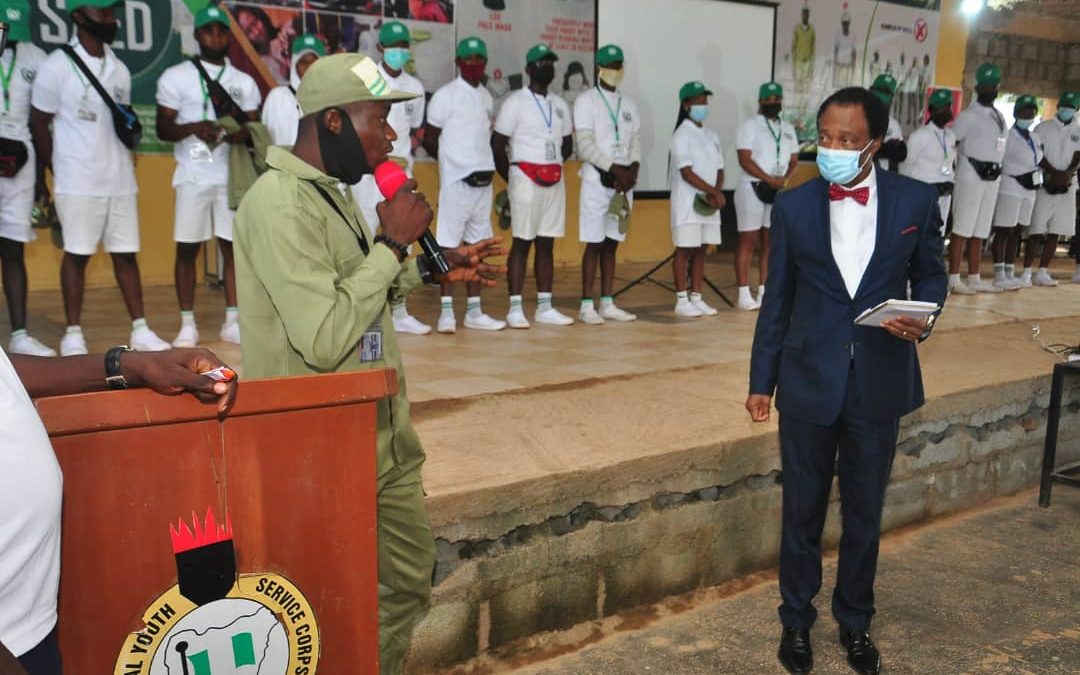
{"type": "Point", "coordinates": [894, 309]}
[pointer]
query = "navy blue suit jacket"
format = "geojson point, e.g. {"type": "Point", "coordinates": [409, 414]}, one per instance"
{"type": "Point", "coordinates": [806, 337]}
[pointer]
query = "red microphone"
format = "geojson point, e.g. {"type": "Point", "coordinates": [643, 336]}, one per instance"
{"type": "Point", "coordinates": [390, 178]}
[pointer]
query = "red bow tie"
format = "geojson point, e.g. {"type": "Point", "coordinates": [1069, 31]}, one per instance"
{"type": "Point", "coordinates": [837, 194]}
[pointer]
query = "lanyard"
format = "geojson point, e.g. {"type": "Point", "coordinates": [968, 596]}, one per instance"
{"type": "Point", "coordinates": [998, 119]}
{"type": "Point", "coordinates": [82, 80]}
{"type": "Point", "coordinates": [944, 146]}
{"type": "Point", "coordinates": [206, 91]}
{"type": "Point", "coordinates": [1031, 144]}
{"type": "Point", "coordinates": [776, 137]}
{"type": "Point", "coordinates": [549, 117]}
{"type": "Point", "coordinates": [5, 79]}
{"type": "Point", "coordinates": [613, 113]}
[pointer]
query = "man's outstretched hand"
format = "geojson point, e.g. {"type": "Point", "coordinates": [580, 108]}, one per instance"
{"type": "Point", "coordinates": [177, 371]}
{"type": "Point", "coordinates": [759, 405]}
{"type": "Point", "coordinates": [469, 263]}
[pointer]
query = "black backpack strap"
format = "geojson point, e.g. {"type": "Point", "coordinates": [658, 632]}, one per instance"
{"type": "Point", "coordinates": [360, 237]}
{"type": "Point", "coordinates": [224, 104]}
{"type": "Point", "coordinates": [81, 65]}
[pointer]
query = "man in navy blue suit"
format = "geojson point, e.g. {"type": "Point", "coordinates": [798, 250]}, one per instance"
{"type": "Point", "coordinates": [841, 244]}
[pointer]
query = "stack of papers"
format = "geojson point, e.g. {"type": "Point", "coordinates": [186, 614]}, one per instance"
{"type": "Point", "coordinates": [894, 309]}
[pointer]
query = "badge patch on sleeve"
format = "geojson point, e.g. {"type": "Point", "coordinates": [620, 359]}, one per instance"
{"type": "Point", "coordinates": [370, 348]}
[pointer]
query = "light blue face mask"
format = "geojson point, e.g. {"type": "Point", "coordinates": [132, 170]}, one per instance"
{"type": "Point", "coordinates": [840, 166]}
{"type": "Point", "coordinates": [1066, 114]}
{"type": "Point", "coordinates": [1024, 124]}
{"type": "Point", "coordinates": [699, 112]}
{"type": "Point", "coordinates": [396, 57]}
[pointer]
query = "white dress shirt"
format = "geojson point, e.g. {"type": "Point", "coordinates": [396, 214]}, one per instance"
{"type": "Point", "coordinates": [853, 229]}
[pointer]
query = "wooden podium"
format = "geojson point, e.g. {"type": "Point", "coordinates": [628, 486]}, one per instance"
{"type": "Point", "coordinates": [292, 466]}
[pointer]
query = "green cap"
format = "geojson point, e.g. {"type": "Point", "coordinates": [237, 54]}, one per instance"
{"type": "Point", "coordinates": [502, 209]}
{"type": "Point", "coordinates": [393, 32]}
{"type": "Point", "coordinates": [702, 207]}
{"type": "Point", "coordinates": [885, 82]}
{"type": "Point", "coordinates": [691, 89]}
{"type": "Point", "coordinates": [341, 79]}
{"type": "Point", "coordinates": [770, 89]}
{"type": "Point", "coordinates": [941, 98]}
{"type": "Point", "coordinates": [17, 14]}
{"type": "Point", "coordinates": [1069, 99]}
{"type": "Point", "coordinates": [73, 5]}
{"type": "Point", "coordinates": [538, 52]}
{"type": "Point", "coordinates": [211, 14]}
{"type": "Point", "coordinates": [609, 54]}
{"type": "Point", "coordinates": [471, 46]}
{"type": "Point", "coordinates": [987, 73]}
{"type": "Point", "coordinates": [1025, 101]}
{"type": "Point", "coordinates": [308, 43]}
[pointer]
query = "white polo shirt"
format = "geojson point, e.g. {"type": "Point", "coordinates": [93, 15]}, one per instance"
{"type": "Point", "coordinates": [895, 132]}
{"type": "Point", "coordinates": [698, 148]}
{"type": "Point", "coordinates": [614, 120]}
{"type": "Point", "coordinates": [405, 115]}
{"type": "Point", "coordinates": [981, 133]}
{"type": "Point", "coordinates": [1021, 156]}
{"type": "Point", "coordinates": [182, 89]}
{"type": "Point", "coordinates": [930, 151]}
{"type": "Point", "coordinates": [771, 145]}
{"type": "Point", "coordinates": [464, 114]}
{"type": "Point", "coordinates": [1059, 142]}
{"type": "Point", "coordinates": [88, 157]}
{"type": "Point", "coordinates": [535, 126]}
{"type": "Point", "coordinates": [15, 108]}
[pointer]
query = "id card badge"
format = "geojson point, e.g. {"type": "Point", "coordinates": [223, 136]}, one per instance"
{"type": "Point", "coordinates": [370, 348]}
{"type": "Point", "coordinates": [1037, 178]}
{"type": "Point", "coordinates": [1000, 147]}
{"type": "Point", "coordinates": [549, 151]}
{"type": "Point", "coordinates": [622, 156]}
{"type": "Point", "coordinates": [946, 168]}
{"type": "Point", "coordinates": [200, 153]}
{"type": "Point", "coordinates": [86, 113]}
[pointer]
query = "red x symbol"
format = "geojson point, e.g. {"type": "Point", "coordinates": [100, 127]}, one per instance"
{"type": "Point", "coordinates": [921, 30]}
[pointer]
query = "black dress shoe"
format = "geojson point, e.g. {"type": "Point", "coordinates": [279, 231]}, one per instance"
{"type": "Point", "coordinates": [862, 655]}
{"type": "Point", "coordinates": [796, 654]}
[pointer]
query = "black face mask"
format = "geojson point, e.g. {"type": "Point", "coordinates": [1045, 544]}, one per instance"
{"type": "Point", "coordinates": [986, 97]}
{"type": "Point", "coordinates": [214, 55]}
{"type": "Point", "coordinates": [941, 117]}
{"type": "Point", "coordinates": [544, 74]}
{"type": "Point", "coordinates": [103, 32]}
{"type": "Point", "coordinates": [343, 153]}
{"type": "Point", "coordinates": [771, 110]}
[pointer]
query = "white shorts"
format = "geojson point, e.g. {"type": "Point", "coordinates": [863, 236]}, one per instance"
{"type": "Point", "coordinates": [973, 206]}
{"type": "Point", "coordinates": [944, 202]}
{"type": "Point", "coordinates": [751, 214]}
{"type": "Point", "coordinates": [536, 211]}
{"type": "Point", "coordinates": [202, 212]}
{"type": "Point", "coordinates": [1013, 209]}
{"type": "Point", "coordinates": [16, 203]}
{"type": "Point", "coordinates": [695, 235]}
{"type": "Point", "coordinates": [87, 221]}
{"type": "Point", "coordinates": [1054, 214]}
{"type": "Point", "coordinates": [594, 223]}
{"type": "Point", "coordinates": [464, 214]}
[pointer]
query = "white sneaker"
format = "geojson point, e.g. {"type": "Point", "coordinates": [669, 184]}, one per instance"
{"type": "Point", "coordinates": [687, 310]}
{"type": "Point", "coordinates": [447, 323]}
{"type": "Point", "coordinates": [483, 322]}
{"type": "Point", "coordinates": [749, 305]}
{"type": "Point", "coordinates": [516, 319]}
{"type": "Point", "coordinates": [1043, 279]}
{"type": "Point", "coordinates": [553, 317]}
{"type": "Point", "coordinates": [960, 288]}
{"type": "Point", "coordinates": [1025, 281]}
{"type": "Point", "coordinates": [704, 307]}
{"type": "Point", "coordinates": [230, 332]}
{"type": "Point", "coordinates": [410, 325]}
{"type": "Point", "coordinates": [146, 340]}
{"type": "Point", "coordinates": [73, 344]}
{"type": "Point", "coordinates": [590, 316]}
{"type": "Point", "coordinates": [616, 314]}
{"type": "Point", "coordinates": [983, 286]}
{"type": "Point", "coordinates": [28, 345]}
{"type": "Point", "coordinates": [187, 338]}
{"type": "Point", "coordinates": [1005, 285]}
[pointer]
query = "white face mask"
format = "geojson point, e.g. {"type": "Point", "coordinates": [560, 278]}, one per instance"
{"type": "Point", "coordinates": [611, 76]}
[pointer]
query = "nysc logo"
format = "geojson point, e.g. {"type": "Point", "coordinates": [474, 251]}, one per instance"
{"type": "Point", "coordinates": [215, 622]}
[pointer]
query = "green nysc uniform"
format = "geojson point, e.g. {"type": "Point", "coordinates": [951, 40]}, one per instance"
{"type": "Point", "coordinates": [309, 296]}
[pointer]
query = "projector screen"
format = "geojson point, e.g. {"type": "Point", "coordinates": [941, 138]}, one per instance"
{"type": "Point", "coordinates": [727, 44]}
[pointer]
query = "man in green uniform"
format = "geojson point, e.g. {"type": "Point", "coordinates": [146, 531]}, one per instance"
{"type": "Point", "coordinates": [316, 289]}
{"type": "Point", "coordinates": [803, 54]}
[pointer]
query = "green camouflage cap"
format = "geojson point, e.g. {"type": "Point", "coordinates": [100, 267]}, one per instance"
{"type": "Point", "coordinates": [1069, 99]}
{"type": "Point", "coordinates": [538, 52]}
{"type": "Point", "coordinates": [393, 32]}
{"type": "Point", "coordinates": [341, 79]}
{"type": "Point", "coordinates": [17, 15]}
{"type": "Point", "coordinates": [702, 207]}
{"type": "Point", "coordinates": [1025, 101]}
{"type": "Point", "coordinates": [987, 73]}
{"type": "Point", "coordinates": [691, 89]}
{"type": "Point", "coordinates": [770, 89]}
{"type": "Point", "coordinates": [471, 46]}
{"type": "Point", "coordinates": [609, 54]}
{"type": "Point", "coordinates": [886, 83]}
{"type": "Point", "coordinates": [73, 5]}
{"type": "Point", "coordinates": [941, 98]}
{"type": "Point", "coordinates": [211, 14]}
{"type": "Point", "coordinates": [502, 209]}
{"type": "Point", "coordinates": [308, 43]}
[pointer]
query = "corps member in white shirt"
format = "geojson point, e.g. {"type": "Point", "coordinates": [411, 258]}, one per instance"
{"type": "Point", "coordinates": [894, 149]}
{"type": "Point", "coordinates": [281, 112]}
{"type": "Point", "coordinates": [186, 117]}
{"type": "Point", "coordinates": [607, 126]}
{"type": "Point", "coordinates": [768, 155]}
{"type": "Point", "coordinates": [406, 118]}
{"type": "Point", "coordinates": [981, 136]}
{"type": "Point", "coordinates": [932, 150]}
{"type": "Point", "coordinates": [533, 137]}
{"type": "Point", "coordinates": [93, 171]}
{"type": "Point", "coordinates": [1021, 176]}
{"type": "Point", "coordinates": [18, 186]}
{"type": "Point", "coordinates": [1055, 204]}
{"type": "Point", "coordinates": [458, 134]}
{"type": "Point", "coordinates": [696, 180]}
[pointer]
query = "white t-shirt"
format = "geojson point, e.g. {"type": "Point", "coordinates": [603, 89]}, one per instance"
{"type": "Point", "coordinates": [181, 88]}
{"type": "Point", "coordinates": [614, 120]}
{"type": "Point", "coordinates": [15, 114]}
{"type": "Point", "coordinates": [464, 114]}
{"type": "Point", "coordinates": [1059, 142]}
{"type": "Point", "coordinates": [895, 132]}
{"type": "Point", "coordinates": [771, 145]}
{"type": "Point", "coordinates": [88, 157]}
{"type": "Point", "coordinates": [981, 133]}
{"type": "Point", "coordinates": [929, 150]}
{"type": "Point", "coordinates": [1020, 157]}
{"type": "Point", "coordinates": [698, 148]}
{"type": "Point", "coordinates": [844, 50]}
{"type": "Point", "coordinates": [405, 115]}
{"type": "Point", "coordinates": [281, 115]}
{"type": "Point", "coordinates": [535, 126]}
{"type": "Point", "coordinates": [30, 494]}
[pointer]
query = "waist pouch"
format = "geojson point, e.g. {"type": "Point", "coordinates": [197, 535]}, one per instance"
{"type": "Point", "coordinates": [479, 179]}
{"type": "Point", "coordinates": [944, 189]}
{"type": "Point", "coordinates": [1026, 181]}
{"type": "Point", "coordinates": [13, 157]}
{"type": "Point", "coordinates": [986, 170]}
{"type": "Point", "coordinates": [544, 175]}
{"type": "Point", "coordinates": [1054, 190]}
{"type": "Point", "coordinates": [765, 192]}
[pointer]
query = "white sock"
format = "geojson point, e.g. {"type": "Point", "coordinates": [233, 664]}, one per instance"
{"type": "Point", "coordinates": [954, 279]}
{"type": "Point", "coordinates": [515, 304]}
{"type": "Point", "coordinates": [974, 279]}
{"type": "Point", "coordinates": [472, 307]}
{"type": "Point", "coordinates": [73, 330]}
{"type": "Point", "coordinates": [139, 324]}
{"type": "Point", "coordinates": [1044, 270]}
{"type": "Point", "coordinates": [744, 294]}
{"type": "Point", "coordinates": [232, 315]}
{"type": "Point", "coordinates": [187, 319]}
{"type": "Point", "coordinates": [1026, 273]}
{"type": "Point", "coordinates": [543, 302]}
{"type": "Point", "coordinates": [399, 311]}
{"type": "Point", "coordinates": [760, 292]}
{"type": "Point", "coordinates": [19, 333]}
{"type": "Point", "coordinates": [1010, 271]}
{"type": "Point", "coordinates": [999, 271]}
{"type": "Point", "coordinates": [607, 301]}
{"type": "Point", "coordinates": [681, 296]}
{"type": "Point", "coordinates": [448, 305]}
{"type": "Point", "coordinates": [695, 297]}
{"type": "Point", "coordinates": [586, 303]}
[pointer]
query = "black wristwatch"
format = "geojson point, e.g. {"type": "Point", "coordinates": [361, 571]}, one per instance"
{"type": "Point", "coordinates": [929, 327]}
{"type": "Point", "coordinates": [113, 377]}
{"type": "Point", "coordinates": [423, 266]}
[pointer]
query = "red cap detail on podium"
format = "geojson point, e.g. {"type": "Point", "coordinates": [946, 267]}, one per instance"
{"type": "Point", "coordinates": [390, 177]}
{"type": "Point", "coordinates": [183, 539]}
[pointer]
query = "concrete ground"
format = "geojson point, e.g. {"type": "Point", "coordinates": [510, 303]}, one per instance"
{"type": "Point", "coordinates": [991, 591]}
